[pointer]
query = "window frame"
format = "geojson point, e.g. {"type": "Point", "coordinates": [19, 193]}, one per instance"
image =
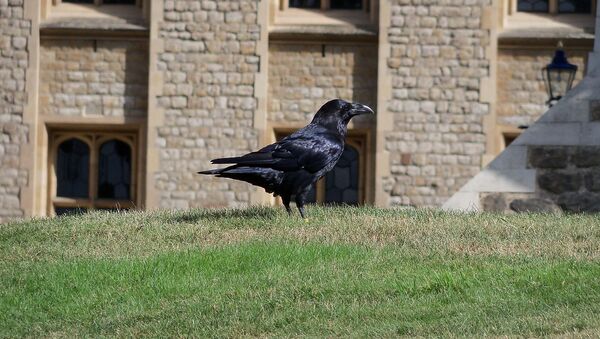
{"type": "Point", "coordinates": [552, 8]}
{"type": "Point", "coordinates": [93, 139]}
{"type": "Point", "coordinates": [326, 6]}
{"type": "Point", "coordinates": [138, 3]}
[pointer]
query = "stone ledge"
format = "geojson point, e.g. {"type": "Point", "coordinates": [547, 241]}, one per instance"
{"type": "Point", "coordinates": [546, 33]}
{"type": "Point", "coordinates": [65, 25]}
{"type": "Point", "coordinates": [323, 32]}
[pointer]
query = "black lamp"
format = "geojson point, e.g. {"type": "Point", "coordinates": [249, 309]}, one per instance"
{"type": "Point", "coordinates": [558, 75]}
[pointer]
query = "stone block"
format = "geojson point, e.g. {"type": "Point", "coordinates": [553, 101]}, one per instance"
{"type": "Point", "coordinates": [551, 134]}
{"type": "Point", "coordinates": [595, 110]}
{"type": "Point", "coordinates": [548, 157]}
{"type": "Point", "coordinates": [490, 180]}
{"type": "Point", "coordinates": [535, 205]}
{"type": "Point", "coordinates": [560, 181]}
{"type": "Point", "coordinates": [586, 156]}
{"type": "Point", "coordinates": [513, 157]}
{"type": "Point", "coordinates": [579, 202]}
{"type": "Point", "coordinates": [494, 202]}
{"type": "Point", "coordinates": [592, 181]}
{"type": "Point", "coordinates": [590, 134]}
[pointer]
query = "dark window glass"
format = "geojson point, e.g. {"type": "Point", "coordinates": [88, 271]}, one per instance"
{"type": "Point", "coordinates": [509, 138]}
{"type": "Point", "coordinates": [575, 6]}
{"type": "Point", "coordinates": [69, 210]}
{"type": "Point", "coordinates": [532, 6]}
{"type": "Point", "coordinates": [114, 170]}
{"type": "Point", "coordinates": [72, 169]}
{"type": "Point", "coordinates": [305, 3]}
{"type": "Point", "coordinates": [79, 1]}
{"type": "Point", "coordinates": [118, 2]}
{"type": "Point", "coordinates": [341, 183]}
{"type": "Point", "coordinates": [346, 4]}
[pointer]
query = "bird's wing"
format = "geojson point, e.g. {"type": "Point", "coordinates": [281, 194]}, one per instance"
{"type": "Point", "coordinates": [301, 150]}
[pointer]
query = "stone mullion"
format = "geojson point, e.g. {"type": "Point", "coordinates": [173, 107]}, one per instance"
{"type": "Point", "coordinates": [553, 6]}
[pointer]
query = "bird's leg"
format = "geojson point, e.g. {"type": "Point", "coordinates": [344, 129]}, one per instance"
{"type": "Point", "coordinates": [300, 204]}
{"type": "Point", "coordinates": [286, 203]}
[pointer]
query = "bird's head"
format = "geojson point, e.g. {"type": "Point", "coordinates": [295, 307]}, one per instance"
{"type": "Point", "coordinates": [338, 113]}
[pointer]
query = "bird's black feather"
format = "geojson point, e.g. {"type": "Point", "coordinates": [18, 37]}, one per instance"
{"type": "Point", "coordinates": [291, 165]}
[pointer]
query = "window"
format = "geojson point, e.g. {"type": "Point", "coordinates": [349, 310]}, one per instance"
{"type": "Point", "coordinates": [556, 6]}
{"type": "Point", "coordinates": [346, 4]}
{"type": "Point", "coordinates": [92, 171]}
{"type": "Point", "coordinates": [328, 4]}
{"type": "Point", "coordinates": [345, 183]}
{"type": "Point", "coordinates": [79, 1]}
{"type": "Point", "coordinates": [100, 2]}
{"type": "Point", "coordinates": [533, 6]}
{"type": "Point", "coordinates": [509, 137]}
{"type": "Point", "coordinates": [574, 6]}
{"type": "Point", "coordinates": [305, 3]}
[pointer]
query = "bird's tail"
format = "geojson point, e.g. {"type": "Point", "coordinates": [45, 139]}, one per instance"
{"type": "Point", "coordinates": [212, 172]}
{"type": "Point", "coordinates": [266, 178]}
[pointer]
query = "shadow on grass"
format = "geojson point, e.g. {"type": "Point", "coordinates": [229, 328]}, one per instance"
{"type": "Point", "coordinates": [213, 214]}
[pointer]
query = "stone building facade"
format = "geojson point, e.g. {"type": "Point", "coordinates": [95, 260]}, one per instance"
{"type": "Point", "coordinates": [15, 40]}
{"type": "Point", "coordinates": [109, 106]}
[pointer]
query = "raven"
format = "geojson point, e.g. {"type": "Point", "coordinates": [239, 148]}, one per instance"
{"type": "Point", "coordinates": [290, 166]}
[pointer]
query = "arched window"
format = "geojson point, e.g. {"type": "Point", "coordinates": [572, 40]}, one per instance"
{"type": "Point", "coordinates": [342, 183]}
{"type": "Point", "coordinates": [92, 170]}
{"type": "Point", "coordinates": [73, 169]}
{"type": "Point", "coordinates": [114, 170]}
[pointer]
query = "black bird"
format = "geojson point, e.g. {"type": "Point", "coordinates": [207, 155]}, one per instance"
{"type": "Point", "coordinates": [290, 166]}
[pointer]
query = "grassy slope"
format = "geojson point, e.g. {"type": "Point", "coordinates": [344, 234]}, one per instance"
{"type": "Point", "coordinates": [257, 272]}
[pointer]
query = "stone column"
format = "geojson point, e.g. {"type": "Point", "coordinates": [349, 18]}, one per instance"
{"type": "Point", "coordinates": [594, 58]}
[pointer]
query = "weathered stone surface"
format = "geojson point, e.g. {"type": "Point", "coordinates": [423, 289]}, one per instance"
{"type": "Point", "coordinates": [209, 65]}
{"type": "Point", "coordinates": [560, 181]}
{"type": "Point", "coordinates": [592, 181]}
{"type": "Point", "coordinates": [536, 205]}
{"type": "Point", "coordinates": [580, 202]}
{"type": "Point", "coordinates": [87, 78]}
{"type": "Point", "coordinates": [548, 157]}
{"type": "Point", "coordinates": [595, 110]}
{"type": "Point", "coordinates": [494, 202]}
{"type": "Point", "coordinates": [437, 60]}
{"type": "Point", "coordinates": [586, 156]}
{"type": "Point", "coordinates": [14, 60]}
{"type": "Point", "coordinates": [521, 90]}
{"type": "Point", "coordinates": [302, 77]}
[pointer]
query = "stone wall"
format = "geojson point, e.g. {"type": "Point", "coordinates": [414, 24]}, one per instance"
{"type": "Point", "coordinates": [552, 166]}
{"type": "Point", "coordinates": [303, 76]}
{"type": "Point", "coordinates": [522, 94]}
{"type": "Point", "coordinates": [567, 179]}
{"type": "Point", "coordinates": [14, 41]}
{"type": "Point", "coordinates": [437, 60]}
{"type": "Point", "coordinates": [209, 65]}
{"type": "Point", "coordinates": [93, 77]}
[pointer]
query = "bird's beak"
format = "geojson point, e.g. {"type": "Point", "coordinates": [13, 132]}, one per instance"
{"type": "Point", "coordinates": [359, 109]}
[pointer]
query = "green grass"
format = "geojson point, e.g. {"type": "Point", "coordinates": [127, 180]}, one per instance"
{"type": "Point", "coordinates": [345, 272]}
